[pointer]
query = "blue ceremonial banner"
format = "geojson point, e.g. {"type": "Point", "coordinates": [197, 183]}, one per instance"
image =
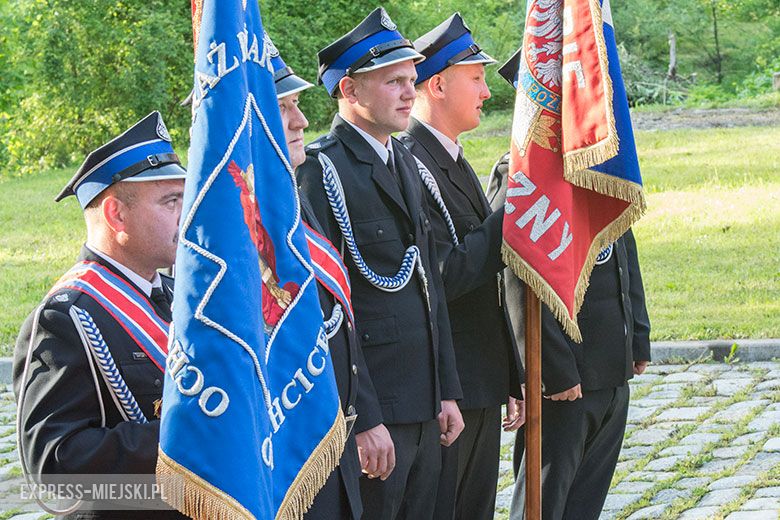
{"type": "Point", "coordinates": [251, 424]}
{"type": "Point", "coordinates": [625, 165]}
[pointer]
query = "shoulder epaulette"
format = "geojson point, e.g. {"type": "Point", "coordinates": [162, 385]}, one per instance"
{"type": "Point", "coordinates": [320, 143]}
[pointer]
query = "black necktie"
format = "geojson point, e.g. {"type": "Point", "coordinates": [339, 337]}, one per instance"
{"type": "Point", "coordinates": [160, 300]}
{"type": "Point", "coordinates": [391, 166]}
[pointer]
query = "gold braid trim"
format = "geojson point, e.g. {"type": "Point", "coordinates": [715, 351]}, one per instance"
{"type": "Point", "coordinates": [545, 292]}
{"type": "Point", "coordinates": [604, 150]}
{"type": "Point", "coordinates": [193, 496]}
{"type": "Point", "coordinates": [609, 185]}
{"type": "Point", "coordinates": [542, 289]}
{"type": "Point", "coordinates": [608, 235]}
{"type": "Point", "coordinates": [314, 472]}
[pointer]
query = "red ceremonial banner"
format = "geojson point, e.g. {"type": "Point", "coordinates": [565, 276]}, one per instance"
{"type": "Point", "coordinates": [560, 212]}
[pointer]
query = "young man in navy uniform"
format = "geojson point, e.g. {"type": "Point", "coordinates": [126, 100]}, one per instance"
{"type": "Point", "coordinates": [88, 365]}
{"type": "Point", "coordinates": [585, 385]}
{"type": "Point", "coordinates": [340, 497]}
{"type": "Point", "coordinates": [399, 306]}
{"type": "Point", "coordinates": [451, 89]}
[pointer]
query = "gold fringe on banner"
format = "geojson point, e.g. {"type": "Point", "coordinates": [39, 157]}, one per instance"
{"type": "Point", "coordinates": [608, 235]}
{"type": "Point", "coordinates": [314, 473]}
{"type": "Point", "coordinates": [610, 186]}
{"type": "Point", "coordinates": [196, 498]}
{"type": "Point", "coordinates": [193, 496]}
{"type": "Point", "coordinates": [542, 289]}
{"type": "Point", "coordinates": [597, 153]}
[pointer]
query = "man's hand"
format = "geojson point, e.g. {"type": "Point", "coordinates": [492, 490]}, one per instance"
{"type": "Point", "coordinates": [450, 422]}
{"type": "Point", "coordinates": [515, 414]}
{"type": "Point", "coordinates": [376, 452]}
{"type": "Point", "coordinates": [639, 367]}
{"type": "Point", "coordinates": [572, 394]}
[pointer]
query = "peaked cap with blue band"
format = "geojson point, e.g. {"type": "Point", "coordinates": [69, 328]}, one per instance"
{"type": "Point", "coordinates": [285, 79]}
{"type": "Point", "coordinates": [449, 43]}
{"type": "Point", "coordinates": [509, 70]}
{"type": "Point", "coordinates": [373, 44]}
{"type": "Point", "coordinates": [142, 153]}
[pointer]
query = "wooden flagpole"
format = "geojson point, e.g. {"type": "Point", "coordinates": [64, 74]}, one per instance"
{"type": "Point", "coordinates": [533, 405]}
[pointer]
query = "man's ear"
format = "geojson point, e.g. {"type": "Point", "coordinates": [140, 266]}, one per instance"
{"type": "Point", "coordinates": [347, 87]}
{"type": "Point", "coordinates": [436, 86]}
{"type": "Point", "coordinates": [114, 213]}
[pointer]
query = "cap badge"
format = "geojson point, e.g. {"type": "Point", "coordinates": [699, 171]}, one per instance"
{"type": "Point", "coordinates": [270, 48]}
{"type": "Point", "coordinates": [386, 22]}
{"type": "Point", "coordinates": [604, 255]}
{"type": "Point", "coordinates": [162, 132]}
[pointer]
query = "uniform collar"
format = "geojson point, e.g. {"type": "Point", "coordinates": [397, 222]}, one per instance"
{"type": "Point", "coordinates": [384, 151]}
{"type": "Point", "coordinates": [142, 283]}
{"type": "Point", "coordinates": [453, 147]}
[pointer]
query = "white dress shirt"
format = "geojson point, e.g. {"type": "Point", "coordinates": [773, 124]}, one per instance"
{"type": "Point", "coordinates": [145, 285]}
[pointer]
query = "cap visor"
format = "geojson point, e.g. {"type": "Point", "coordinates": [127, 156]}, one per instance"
{"type": "Point", "coordinates": [290, 85]}
{"type": "Point", "coordinates": [167, 172]}
{"type": "Point", "coordinates": [479, 57]}
{"type": "Point", "coordinates": [391, 58]}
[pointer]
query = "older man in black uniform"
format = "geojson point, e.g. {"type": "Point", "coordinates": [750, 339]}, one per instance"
{"type": "Point", "coordinates": [451, 89]}
{"type": "Point", "coordinates": [88, 365]}
{"type": "Point", "coordinates": [382, 224]}
{"type": "Point", "coordinates": [340, 497]}
{"type": "Point", "coordinates": [585, 384]}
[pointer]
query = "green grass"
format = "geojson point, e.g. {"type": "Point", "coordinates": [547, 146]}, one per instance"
{"type": "Point", "coordinates": [709, 244]}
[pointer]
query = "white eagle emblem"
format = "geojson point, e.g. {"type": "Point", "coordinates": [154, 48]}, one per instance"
{"type": "Point", "coordinates": [270, 48]}
{"type": "Point", "coordinates": [162, 132]}
{"type": "Point", "coordinates": [386, 22]}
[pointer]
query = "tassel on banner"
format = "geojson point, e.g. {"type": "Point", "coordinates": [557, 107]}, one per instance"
{"type": "Point", "coordinates": [193, 496]}
{"type": "Point", "coordinates": [198, 499]}
{"type": "Point", "coordinates": [313, 474]}
{"type": "Point", "coordinates": [543, 290]}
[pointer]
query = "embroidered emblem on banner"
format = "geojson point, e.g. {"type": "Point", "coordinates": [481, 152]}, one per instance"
{"type": "Point", "coordinates": [131, 310]}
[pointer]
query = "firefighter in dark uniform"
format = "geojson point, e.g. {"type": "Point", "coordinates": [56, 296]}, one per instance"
{"type": "Point", "coordinates": [585, 385]}
{"type": "Point", "coordinates": [340, 497]}
{"type": "Point", "coordinates": [451, 89]}
{"type": "Point", "coordinates": [87, 383]}
{"type": "Point", "coordinates": [381, 223]}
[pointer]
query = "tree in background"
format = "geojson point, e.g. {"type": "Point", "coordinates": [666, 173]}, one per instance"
{"type": "Point", "coordinates": [76, 72]}
{"type": "Point", "coordinates": [85, 70]}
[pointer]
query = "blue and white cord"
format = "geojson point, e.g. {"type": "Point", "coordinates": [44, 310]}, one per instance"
{"type": "Point", "coordinates": [433, 189]}
{"type": "Point", "coordinates": [336, 318]}
{"type": "Point", "coordinates": [108, 367]}
{"type": "Point", "coordinates": [335, 194]}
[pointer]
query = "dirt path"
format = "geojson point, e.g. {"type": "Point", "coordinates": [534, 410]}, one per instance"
{"type": "Point", "coordinates": [705, 118]}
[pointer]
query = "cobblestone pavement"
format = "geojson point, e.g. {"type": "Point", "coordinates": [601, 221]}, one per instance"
{"type": "Point", "coordinates": [703, 441]}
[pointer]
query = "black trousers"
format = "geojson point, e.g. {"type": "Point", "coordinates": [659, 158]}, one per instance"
{"type": "Point", "coordinates": [409, 491]}
{"type": "Point", "coordinates": [581, 443]}
{"type": "Point", "coordinates": [469, 472]}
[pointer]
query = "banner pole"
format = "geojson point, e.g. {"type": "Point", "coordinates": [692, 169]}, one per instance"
{"type": "Point", "coordinates": [533, 399]}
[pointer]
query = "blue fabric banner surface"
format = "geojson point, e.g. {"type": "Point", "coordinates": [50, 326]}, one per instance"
{"type": "Point", "coordinates": [251, 424]}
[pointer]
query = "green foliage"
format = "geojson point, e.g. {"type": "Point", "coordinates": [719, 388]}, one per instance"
{"type": "Point", "coordinates": [496, 24]}
{"type": "Point", "coordinates": [76, 73]}
{"type": "Point", "coordinates": [89, 70]}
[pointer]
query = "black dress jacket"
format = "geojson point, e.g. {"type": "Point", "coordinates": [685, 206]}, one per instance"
{"type": "Point", "coordinates": [405, 335]}
{"type": "Point", "coordinates": [350, 367]}
{"type": "Point", "coordinates": [486, 359]}
{"type": "Point", "coordinates": [65, 427]}
{"type": "Point", "coordinates": [613, 318]}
